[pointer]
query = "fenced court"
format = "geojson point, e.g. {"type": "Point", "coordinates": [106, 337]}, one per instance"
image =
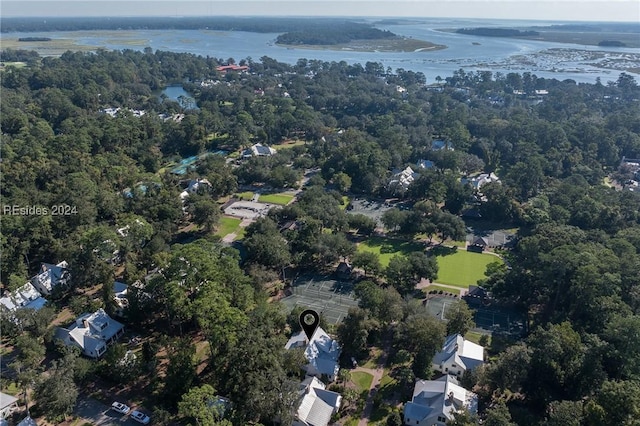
{"type": "Point", "coordinates": [324, 294]}
{"type": "Point", "coordinates": [489, 319]}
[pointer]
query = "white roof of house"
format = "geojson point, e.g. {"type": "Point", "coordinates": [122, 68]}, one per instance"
{"type": "Point", "coordinates": [8, 303]}
{"type": "Point", "coordinates": [120, 293]}
{"type": "Point", "coordinates": [466, 353]}
{"type": "Point", "coordinates": [258, 150]}
{"type": "Point", "coordinates": [120, 289]}
{"type": "Point", "coordinates": [6, 400]}
{"type": "Point", "coordinates": [438, 144]}
{"type": "Point", "coordinates": [443, 396]}
{"type": "Point", "coordinates": [28, 421]}
{"type": "Point", "coordinates": [318, 404]}
{"type": "Point", "coordinates": [90, 331]}
{"type": "Point", "coordinates": [298, 340]}
{"type": "Point", "coordinates": [88, 342]}
{"type": "Point", "coordinates": [479, 181]}
{"type": "Point", "coordinates": [426, 164]}
{"type": "Point", "coordinates": [51, 275]}
{"type": "Point", "coordinates": [313, 410]}
{"type": "Point", "coordinates": [24, 297]}
{"type": "Point", "coordinates": [124, 231]}
{"type": "Point", "coordinates": [321, 351]}
{"type": "Point", "coordinates": [403, 178]}
{"type": "Point", "coordinates": [196, 184]}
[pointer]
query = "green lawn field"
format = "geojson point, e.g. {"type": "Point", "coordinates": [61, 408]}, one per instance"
{"type": "Point", "coordinates": [386, 248]}
{"type": "Point", "coordinates": [247, 196]}
{"type": "Point", "coordinates": [289, 144]}
{"type": "Point", "coordinates": [281, 199]}
{"type": "Point", "coordinates": [227, 225]}
{"type": "Point", "coordinates": [362, 380]}
{"type": "Point", "coordinates": [463, 268]}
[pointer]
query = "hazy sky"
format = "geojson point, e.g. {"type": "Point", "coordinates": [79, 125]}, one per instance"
{"type": "Point", "coordinates": [573, 10]}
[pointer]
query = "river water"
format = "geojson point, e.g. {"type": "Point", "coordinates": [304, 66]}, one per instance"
{"type": "Point", "coordinates": [544, 59]}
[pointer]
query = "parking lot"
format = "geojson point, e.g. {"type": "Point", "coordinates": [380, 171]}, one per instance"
{"type": "Point", "coordinates": [370, 208]}
{"type": "Point", "coordinates": [99, 414]}
{"type": "Point", "coordinates": [248, 209]}
{"type": "Point", "coordinates": [326, 295]}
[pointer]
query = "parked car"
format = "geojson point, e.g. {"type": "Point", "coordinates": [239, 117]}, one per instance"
{"type": "Point", "coordinates": [120, 407]}
{"type": "Point", "coordinates": [140, 417]}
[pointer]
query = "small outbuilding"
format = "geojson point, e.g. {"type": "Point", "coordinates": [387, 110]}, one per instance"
{"type": "Point", "coordinates": [343, 271]}
{"type": "Point", "coordinates": [479, 244]}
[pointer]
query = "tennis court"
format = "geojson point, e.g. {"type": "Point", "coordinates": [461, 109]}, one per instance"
{"type": "Point", "coordinates": [486, 319]}
{"type": "Point", "coordinates": [324, 294]}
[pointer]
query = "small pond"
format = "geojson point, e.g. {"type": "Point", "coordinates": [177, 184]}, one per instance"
{"type": "Point", "coordinates": [178, 94]}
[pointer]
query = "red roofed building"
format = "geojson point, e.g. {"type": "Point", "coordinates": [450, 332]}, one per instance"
{"type": "Point", "coordinates": [225, 68]}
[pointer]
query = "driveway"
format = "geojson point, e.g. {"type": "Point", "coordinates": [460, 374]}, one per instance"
{"type": "Point", "coordinates": [99, 414]}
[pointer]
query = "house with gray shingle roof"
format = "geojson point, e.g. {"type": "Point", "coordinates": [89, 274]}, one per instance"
{"type": "Point", "coordinates": [435, 402]}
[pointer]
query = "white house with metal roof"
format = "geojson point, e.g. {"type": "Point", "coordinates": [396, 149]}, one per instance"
{"type": "Point", "coordinates": [258, 150]}
{"type": "Point", "coordinates": [8, 404]}
{"type": "Point", "coordinates": [120, 291]}
{"type": "Point", "coordinates": [477, 182]}
{"type": "Point", "coordinates": [317, 404]}
{"type": "Point", "coordinates": [435, 402]}
{"type": "Point", "coordinates": [458, 355]}
{"type": "Point", "coordinates": [321, 351]}
{"type": "Point", "coordinates": [51, 276]}
{"type": "Point", "coordinates": [402, 179]}
{"type": "Point", "coordinates": [439, 145]}
{"type": "Point", "coordinates": [27, 421]}
{"type": "Point", "coordinates": [92, 333]}
{"type": "Point", "coordinates": [25, 297]}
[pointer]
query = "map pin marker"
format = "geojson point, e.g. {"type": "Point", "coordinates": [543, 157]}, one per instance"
{"type": "Point", "coordinates": [309, 320]}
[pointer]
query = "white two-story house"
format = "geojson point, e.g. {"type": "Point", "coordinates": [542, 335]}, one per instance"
{"type": "Point", "coordinates": [92, 333]}
{"type": "Point", "coordinates": [321, 351]}
{"type": "Point", "coordinates": [435, 402]}
{"type": "Point", "coordinates": [457, 356]}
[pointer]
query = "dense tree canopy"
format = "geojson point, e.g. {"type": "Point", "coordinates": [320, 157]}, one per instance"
{"type": "Point", "coordinates": [572, 271]}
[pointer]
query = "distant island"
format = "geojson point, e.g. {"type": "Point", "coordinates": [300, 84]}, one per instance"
{"type": "Point", "coordinates": [337, 33]}
{"type": "Point", "coordinates": [352, 36]}
{"type": "Point", "coordinates": [34, 39]}
{"type": "Point", "coordinates": [497, 32]}
{"type": "Point", "coordinates": [612, 43]}
{"type": "Point", "coordinates": [612, 34]}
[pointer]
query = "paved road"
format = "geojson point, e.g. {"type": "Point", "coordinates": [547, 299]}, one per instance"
{"type": "Point", "coordinates": [99, 414]}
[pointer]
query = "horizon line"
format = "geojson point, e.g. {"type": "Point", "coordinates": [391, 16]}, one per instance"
{"type": "Point", "coordinates": [414, 17]}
